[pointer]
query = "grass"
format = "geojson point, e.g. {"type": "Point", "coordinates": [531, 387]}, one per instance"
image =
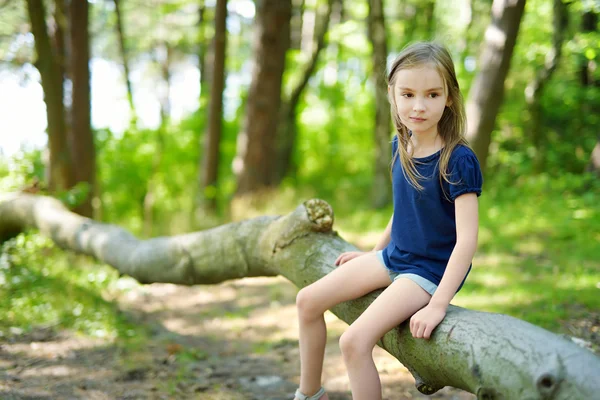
{"type": "Point", "coordinates": [42, 286]}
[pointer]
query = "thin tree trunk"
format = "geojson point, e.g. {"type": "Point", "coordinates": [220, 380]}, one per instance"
{"type": "Point", "coordinates": [62, 51]}
{"type": "Point", "coordinates": [594, 164]}
{"type": "Point", "coordinates": [125, 59]}
{"type": "Point", "coordinates": [589, 23]}
{"type": "Point", "coordinates": [203, 61]}
{"type": "Point", "coordinates": [60, 173]}
{"type": "Point", "coordinates": [533, 91]}
{"type": "Point", "coordinates": [165, 114]}
{"type": "Point", "coordinates": [381, 194]}
{"type": "Point", "coordinates": [287, 132]}
{"type": "Point", "coordinates": [256, 148]}
{"type": "Point", "coordinates": [429, 14]}
{"type": "Point", "coordinates": [212, 136]}
{"type": "Point", "coordinates": [82, 138]}
{"type": "Point", "coordinates": [297, 23]}
{"type": "Point", "coordinates": [487, 91]}
{"type": "Point", "coordinates": [491, 355]}
{"type": "Point", "coordinates": [203, 54]}
{"type": "Point", "coordinates": [466, 38]}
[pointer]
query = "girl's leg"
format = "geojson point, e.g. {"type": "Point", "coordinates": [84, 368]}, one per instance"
{"type": "Point", "coordinates": [351, 280]}
{"type": "Point", "coordinates": [397, 303]}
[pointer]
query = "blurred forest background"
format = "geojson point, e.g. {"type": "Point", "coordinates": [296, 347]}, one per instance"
{"type": "Point", "coordinates": [169, 116]}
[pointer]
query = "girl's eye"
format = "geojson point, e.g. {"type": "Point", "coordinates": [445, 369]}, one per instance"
{"type": "Point", "coordinates": [434, 95]}
{"type": "Point", "coordinates": [407, 95]}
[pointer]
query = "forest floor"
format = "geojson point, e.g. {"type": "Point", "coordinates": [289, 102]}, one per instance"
{"type": "Point", "coordinates": [236, 340]}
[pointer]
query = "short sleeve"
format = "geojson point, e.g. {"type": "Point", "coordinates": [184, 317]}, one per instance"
{"type": "Point", "coordinates": [465, 176]}
{"type": "Point", "coordinates": [394, 145]}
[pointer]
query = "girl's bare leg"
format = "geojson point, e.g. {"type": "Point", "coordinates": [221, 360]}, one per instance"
{"type": "Point", "coordinates": [351, 280]}
{"type": "Point", "coordinates": [397, 303]}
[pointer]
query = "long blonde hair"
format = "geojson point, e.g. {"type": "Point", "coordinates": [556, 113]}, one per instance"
{"type": "Point", "coordinates": [452, 124]}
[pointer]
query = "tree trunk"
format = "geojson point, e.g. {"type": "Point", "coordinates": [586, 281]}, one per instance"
{"type": "Point", "coordinates": [589, 23]}
{"type": "Point", "coordinates": [381, 194]}
{"type": "Point", "coordinates": [82, 139]}
{"type": "Point", "coordinates": [533, 91]}
{"type": "Point", "coordinates": [594, 165]}
{"type": "Point", "coordinates": [212, 137]}
{"type": "Point", "coordinates": [492, 355]}
{"type": "Point", "coordinates": [287, 127]}
{"type": "Point", "coordinates": [254, 163]}
{"type": "Point", "coordinates": [60, 173]}
{"type": "Point", "coordinates": [296, 23]}
{"type": "Point", "coordinates": [487, 91]}
{"type": "Point", "coordinates": [125, 60]}
{"type": "Point", "coordinates": [163, 59]}
{"type": "Point", "coordinates": [429, 14]}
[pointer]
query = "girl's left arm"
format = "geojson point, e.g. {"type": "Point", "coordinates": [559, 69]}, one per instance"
{"type": "Point", "coordinates": [467, 227]}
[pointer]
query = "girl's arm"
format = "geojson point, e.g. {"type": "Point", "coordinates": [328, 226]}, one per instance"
{"type": "Point", "coordinates": [467, 227]}
{"type": "Point", "coordinates": [385, 238]}
{"type": "Point", "coordinates": [382, 243]}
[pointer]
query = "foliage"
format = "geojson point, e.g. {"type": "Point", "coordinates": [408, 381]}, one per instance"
{"type": "Point", "coordinates": [42, 287]}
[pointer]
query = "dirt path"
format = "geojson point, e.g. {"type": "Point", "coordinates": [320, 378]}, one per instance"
{"type": "Point", "coordinates": [237, 340]}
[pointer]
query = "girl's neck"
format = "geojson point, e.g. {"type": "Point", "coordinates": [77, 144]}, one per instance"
{"type": "Point", "coordinates": [425, 144]}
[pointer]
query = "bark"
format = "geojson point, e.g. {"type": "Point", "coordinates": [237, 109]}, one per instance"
{"type": "Point", "coordinates": [288, 129]}
{"type": "Point", "coordinates": [589, 23]}
{"type": "Point", "coordinates": [214, 129]}
{"type": "Point", "coordinates": [533, 91]}
{"type": "Point", "coordinates": [381, 194]}
{"type": "Point", "coordinates": [125, 59]}
{"type": "Point", "coordinates": [492, 355]}
{"type": "Point", "coordinates": [83, 149]}
{"type": "Point", "coordinates": [594, 164]}
{"type": "Point", "coordinates": [60, 174]}
{"type": "Point", "coordinates": [202, 54]}
{"type": "Point", "coordinates": [487, 91]}
{"type": "Point", "coordinates": [429, 13]}
{"type": "Point", "coordinates": [296, 23]}
{"type": "Point", "coordinates": [203, 60]}
{"type": "Point", "coordinates": [164, 62]}
{"type": "Point", "coordinates": [254, 163]}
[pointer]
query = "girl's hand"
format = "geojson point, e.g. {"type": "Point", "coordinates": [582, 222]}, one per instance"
{"type": "Point", "coordinates": [347, 256]}
{"type": "Point", "coordinates": [425, 320]}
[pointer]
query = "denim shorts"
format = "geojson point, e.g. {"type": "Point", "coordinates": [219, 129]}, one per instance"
{"type": "Point", "coordinates": [425, 284]}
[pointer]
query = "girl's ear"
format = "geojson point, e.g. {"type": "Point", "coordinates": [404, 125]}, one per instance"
{"type": "Point", "coordinates": [449, 102]}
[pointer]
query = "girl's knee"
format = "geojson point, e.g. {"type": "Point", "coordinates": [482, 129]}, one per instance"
{"type": "Point", "coordinates": [307, 307]}
{"type": "Point", "coordinates": [353, 344]}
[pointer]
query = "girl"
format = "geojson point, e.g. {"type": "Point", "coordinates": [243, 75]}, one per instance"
{"type": "Point", "coordinates": [425, 252]}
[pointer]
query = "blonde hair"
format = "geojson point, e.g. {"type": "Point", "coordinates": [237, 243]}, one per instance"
{"type": "Point", "coordinates": [452, 124]}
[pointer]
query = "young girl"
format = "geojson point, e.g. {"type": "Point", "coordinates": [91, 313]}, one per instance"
{"type": "Point", "coordinates": [425, 252]}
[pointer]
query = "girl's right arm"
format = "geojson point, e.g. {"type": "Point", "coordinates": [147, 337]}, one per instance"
{"type": "Point", "coordinates": [382, 243]}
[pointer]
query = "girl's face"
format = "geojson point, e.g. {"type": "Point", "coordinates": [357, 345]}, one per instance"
{"type": "Point", "coordinates": [421, 97]}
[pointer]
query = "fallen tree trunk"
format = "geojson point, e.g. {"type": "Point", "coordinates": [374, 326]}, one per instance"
{"type": "Point", "coordinates": [492, 355]}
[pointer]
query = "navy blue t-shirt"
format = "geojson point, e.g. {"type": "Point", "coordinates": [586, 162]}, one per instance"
{"type": "Point", "coordinates": [424, 225]}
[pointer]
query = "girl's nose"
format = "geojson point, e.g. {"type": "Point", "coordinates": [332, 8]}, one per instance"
{"type": "Point", "coordinates": [419, 105]}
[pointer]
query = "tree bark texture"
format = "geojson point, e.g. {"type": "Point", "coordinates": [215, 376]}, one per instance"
{"type": "Point", "coordinates": [594, 164]}
{"type": "Point", "coordinates": [83, 149]}
{"type": "Point", "coordinates": [125, 59]}
{"type": "Point", "coordinates": [287, 127]}
{"type": "Point", "coordinates": [256, 149]}
{"type": "Point", "coordinates": [381, 194]}
{"type": "Point", "coordinates": [212, 137]}
{"type": "Point", "coordinates": [487, 91]}
{"type": "Point", "coordinates": [534, 90]}
{"type": "Point", "coordinates": [492, 355]}
{"type": "Point", "coordinates": [60, 174]}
